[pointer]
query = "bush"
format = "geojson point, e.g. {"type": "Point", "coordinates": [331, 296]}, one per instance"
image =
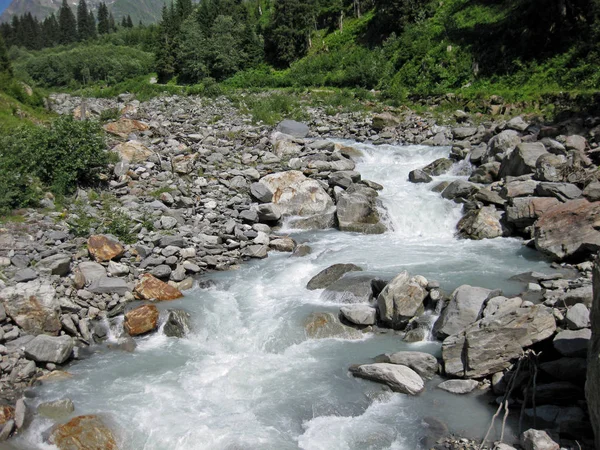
{"type": "Point", "coordinates": [60, 157]}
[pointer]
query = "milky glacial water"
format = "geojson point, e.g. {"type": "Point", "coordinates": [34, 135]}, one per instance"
{"type": "Point", "coordinates": [248, 378]}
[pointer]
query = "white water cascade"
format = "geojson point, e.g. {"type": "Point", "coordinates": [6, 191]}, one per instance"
{"type": "Point", "coordinates": [248, 378]}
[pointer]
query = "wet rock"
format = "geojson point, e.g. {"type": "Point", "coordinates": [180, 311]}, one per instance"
{"type": "Point", "coordinates": [359, 314]}
{"type": "Point", "coordinates": [357, 210]}
{"type": "Point", "coordinates": [569, 230]}
{"type": "Point", "coordinates": [537, 440]}
{"type": "Point", "coordinates": [59, 264]}
{"type": "Point", "coordinates": [573, 343]}
{"type": "Point", "coordinates": [54, 349]}
{"type": "Point", "coordinates": [178, 323]}
{"type": "Point", "coordinates": [33, 306]}
{"type": "Point", "coordinates": [293, 128]}
{"type": "Point", "coordinates": [401, 300]}
{"type": "Point", "coordinates": [399, 378]}
{"type": "Point", "coordinates": [424, 364]}
{"type": "Point", "coordinates": [419, 176]}
{"type": "Point", "coordinates": [283, 244]}
{"type": "Point", "coordinates": [350, 288]}
{"type": "Point", "coordinates": [103, 248]}
{"type": "Point", "coordinates": [459, 189]}
{"type": "Point", "coordinates": [327, 325]}
{"type": "Point", "coordinates": [259, 251]}
{"type": "Point", "coordinates": [484, 223]}
{"type": "Point", "coordinates": [458, 386]}
{"type": "Point", "coordinates": [149, 288]}
{"type": "Point", "coordinates": [438, 167]}
{"type": "Point", "coordinates": [522, 160]}
{"type": "Point", "coordinates": [57, 409]}
{"type": "Point", "coordinates": [462, 310]}
{"type": "Point", "coordinates": [83, 433]}
{"type": "Point", "coordinates": [330, 275]}
{"type": "Point", "coordinates": [141, 320]}
{"type": "Point", "coordinates": [344, 178]}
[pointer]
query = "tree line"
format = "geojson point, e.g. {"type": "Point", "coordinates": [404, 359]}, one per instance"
{"type": "Point", "coordinates": [63, 28]}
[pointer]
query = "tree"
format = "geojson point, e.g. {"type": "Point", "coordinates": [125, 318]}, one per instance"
{"type": "Point", "coordinates": [5, 67]}
{"type": "Point", "coordinates": [103, 24]}
{"type": "Point", "coordinates": [67, 24]}
{"type": "Point", "coordinates": [50, 31]}
{"type": "Point", "coordinates": [93, 33]}
{"type": "Point", "coordinates": [112, 25]}
{"type": "Point", "coordinates": [84, 26]}
{"type": "Point", "coordinates": [129, 21]}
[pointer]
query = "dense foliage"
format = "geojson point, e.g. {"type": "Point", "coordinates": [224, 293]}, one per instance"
{"type": "Point", "coordinates": [59, 157]}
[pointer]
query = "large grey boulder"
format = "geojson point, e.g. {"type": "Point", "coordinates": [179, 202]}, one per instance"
{"type": "Point", "coordinates": [562, 191]}
{"type": "Point", "coordinates": [484, 223]}
{"type": "Point", "coordinates": [331, 274]}
{"type": "Point", "coordinates": [592, 386]}
{"type": "Point", "coordinates": [261, 192]}
{"type": "Point", "coordinates": [424, 364]}
{"type": "Point", "coordinates": [353, 287]}
{"type": "Point", "coordinates": [501, 144]}
{"type": "Point", "coordinates": [522, 160]}
{"type": "Point", "coordinates": [107, 285]}
{"type": "Point", "coordinates": [398, 378]}
{"type": "Point", "coordinates": [357, 210]}
{"type": "Point", "coordinates": [537, 440]}
{"type": "Point", "coordinates": [578, 316]}
{"type": "Point", "coordinates": [91, 271]}
{"type": "Point", "coordinates": [462, 310]}
{"type": "Point", "coordinates": [438, 167]}
{"type": "Point", "coordinates": [53, 349]}
{"type": "Point", "coordinates": [419, 176]}
{"type": "Point", "coordinates": [492, 343]}
{"type": "Point", "coordinates": [458, 386]}
{"type": "Point", "coordinates": [459, 189]}
{"type": "Point", "coordinates": [550, 167]}
{"type": "Point", "coordinates": [401, 300]}
{"type": "Point", "coordinates": [293, 128]}
{"type": "Point", "coordinates": [524, 211]}
{"type": "Point", "coordinates": [177, 324]}
{"type": "Point", "coordinates": [572, 343]}
{"type": "Point", "coordinates": [327, 325]}
{"type": "Point", "coordinates": [59, 264]}
{"type": "Point", "coordinates": [359, 314]}
{"type": "Point", "coordinates": [33, 306]}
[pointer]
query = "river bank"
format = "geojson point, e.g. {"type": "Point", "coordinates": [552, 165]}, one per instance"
{"type": "Point", "coordinates": [208, 212]}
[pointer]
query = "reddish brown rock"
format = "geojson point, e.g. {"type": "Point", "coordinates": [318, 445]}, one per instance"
{"type": "Point", "coordinates": [6, 413]}
{"type": "Point", "coordinates": [124, 127]}
{"type": "Point", "coordinates": [150, 287]}
{"type": "Point", "coordinates": [84, 433]}
{"type": "Point", "coordinates": [102, 248]}
{"type": "Point", "coordinates": [141, 320]}
{"type": "Point", "coordinates": [569, 230]}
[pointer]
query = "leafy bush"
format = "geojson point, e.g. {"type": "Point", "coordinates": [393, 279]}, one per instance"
{"type": "Point", "coordinates": [59, 157]}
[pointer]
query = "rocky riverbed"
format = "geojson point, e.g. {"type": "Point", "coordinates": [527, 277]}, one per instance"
{"type": "Point", "coordinates": [204, 190]}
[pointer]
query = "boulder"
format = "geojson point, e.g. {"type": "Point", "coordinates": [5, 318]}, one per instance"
{"type": "Point", "coordinates": [592, 386]}
{"type": "Point", "coordinates": [141, 320]}
{"type": "Point", "coordinates": [261, 192]}
{"type": "Point", "coordinates": [419, 176]}
{"type": "Point", "coordinates": [385, 120]}
{"type": "Point", "coordinates": [57, 409]}
{"type": "Point", "coordinates": [149, 288]}
{"type": "Point", "coordinates": [83, 433]}
{"type": "Point", "coordinates": [178, 323]}
{"type": "Point", "coordinates": [59, 264]}
{"type": "Point", "coordinates": [460, 133]}
{"type": "Point", "coordinates": [259, 251]}
{"type": "Point", "coordinates": [486, 173]}
{"type": "Point", "coordinates": [103, 248]}
{"type": "Point", "coordinates": [352, 287]}
{"type": "Point", "coordinates": [283, 244]}
{"type": "Point", "coordinates": [359, 314]}
{"type": "Point", "coordinates": [524, 211]}
{"type": "Point", "coordinates": [592, 191]}
{"type": "Point", "coordinates": [107, 285]}
{"type": "Point", "coordinates": [399, 378]}
{"type": "Point", "coordinates": [329, 275]}
{"type": "Point", "coordinates": [562, 191]}
{"type": "Point", "coordinates": [517, 123]}
{"type": "Point", "coordinates": [518, 188]}
{"type": "Point", "coordinates": [438, 167]}
{"type": "Point", "coordinates": [401, 299]}
{"type": "Point", "coordinates": [133, 152]}
{"type": "Point", "coordinates": [550, 167]}
{"type": "Point", "coordinates": [53, 349]}
{"type": "Point", "coordinates": [326, 325]}
{"type": "Point", "coordinates": [124, 127]}
{"type": "Point", "coordinates": [462, 310]}
{"type": "Point", "coordinates": [91, 271]}
{"type": "Point", "coordinates": [492, 343]}
{"type": "Point", "coordinates": [522, 160]}
{"type": "Point", "coordinates": [566, 369]}
{"type": "Point", "coordinates": [578, 316]}
{"type": "Point", "coordinates": [6, 413]}
{"type": "Point", "coordinates": [458, 386]}
{"type": "Point", "coordinates": [357, 210]}
{"type": "Point", "coordinates": [459, 189]}
{"type": "Point", "coordinates": [501, 144]}
{"type": "Point", "coordinates": [424, 364]}
{"type": "Point", "coordinates": [484, 223]}
{"type": "Point", "coordinates": [572, 343]}
{"type": "Point", "coordinates": [33, 306]}
{"type": "Point", "coordinates": [538, 440]}
{"type": "Point", "coordinates": [569, 230]}
{"type": "Point", "coordinates": [293, 128]}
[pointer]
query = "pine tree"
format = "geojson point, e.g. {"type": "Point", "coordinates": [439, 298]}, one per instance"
{"type": "Point", "coordinates": [84, 31]}
{"type": "Point", "coordinates": [129, 21]}
{"type": "Point", "coordinates": [103, 24]}
{"type": "Point", "coordinates": [67, 24]}
{"type": "Point", "coordinates": [93, 33]}
{"type": "Point", "coordinates": [112, 25]}
{"type": "Point", "coordinates": [5, 67]}
{"type": "Point", "coordinates": [124, 22]}
{"type": "Point", "coordinates": [50, 31]}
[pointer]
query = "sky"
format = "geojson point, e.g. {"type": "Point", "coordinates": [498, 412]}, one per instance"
{"type": "Point", "coordinates": [4, 4]}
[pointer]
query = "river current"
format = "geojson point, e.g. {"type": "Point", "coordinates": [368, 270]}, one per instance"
{"type": "Point", "coordinates": [247, 377]}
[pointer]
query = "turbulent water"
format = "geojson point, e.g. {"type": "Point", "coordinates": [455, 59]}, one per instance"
{"type": "Point", "coordinates": [248, 378]}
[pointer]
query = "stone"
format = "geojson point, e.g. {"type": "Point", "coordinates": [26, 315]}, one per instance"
{"type": "Point", "coordinates": [462, 310]}
{"type": "Point", "coordinates": [458, 386]}
{"type": "Point", "coordinates": [592, 386]}
{"type": "Point", "coordinates": [385, 120]}
{"type": "Point", "coordinates": [116, 269]}
{"type": "Point", "coordinates": [438, 167]}
{"type": "Point", "coordinates": [401, 299]}
{"type": "Point", "coordinates": [353, 287]}
{"type": "Point", "coordinates": [124, 127]}
{"type": "Point", "coordinates": [524, 211]}
{"type": "Point", "coordinates": [522, 160]}
{"type": "Point", "coordinates": [133, 152]}
{"type": "Point", "coordinates": [91, 271]}
{"type": "Point", "coordinates": [518, 188]}
{"type": "Point", "coordinates": [57, 409]}
{"type": "Point", "coordinates": [463, 132]}
{"type": "Point", "coordinates": [25, 275]}
{"type": "Point", "coordinates": [33, 306]}
{"type": "Point", "coordinates": [537, 440]}
{"type": "Point", "coordinates": [6, 413]}
{"type": "Point", "coordinates": [103, 248]}
{"type": "Point", "coordinates": [572, 343]}
{"type": "Point", "coordinates": [419, 176]}
{"type": "Point", "coordinates": [357, 210]}
{"type": "Point", "coordinates": [501, 144]}
{"type": "Point", "coordinates": [592, 191]}
{"type": "Point", "coordinates": [550, 167]}
{"type": "Point", "coordinates": [326, 325]}
{"type": "Point", "coordinates": [261, 192]}
{"type": "Point", "coordinates": [484, 223]}
{"type": "Point", "coordinates": [566, 369]}
{"type": "Point", "coordinates": [517, 123]}
{"type": "Point", "coordinates": [259, 251]}
{"type": "Point", "coordinates": [399, 378]}
{"type": "Point", "coordinates": [491, 344]}
{"type": "Point", "coordinates": [293, 128]}
{"type": "Point", "coordinates": [283, 244]}
{"type": "Point", "coordinates": [459, 189]}
{"type": "Point", "coordinates": [486, 173]}
{"type": "Point", "coordinates": [250, 216]}
{"type": "Point", "coordinates": [178, 323]}
{"type": "Point", "coordinates": [161, 271]}
{"type": "Point", "coordinates": [330, 275]}
{"type": "Point", "coordinates": [7, 430]}
{"type": "Point", "coordinates": [54, 349]}
{"type": "Point", "coordinates": [562, 191]}
{"type": "Point", "coordinates": [59, 264]}
{"type": "Point", "coordinates": [20, 413]}
{"type": "Point", "coordinates": [151, 288]}
{"type": "Point", "coordinates": [578, 316]}
{"type": "Point", "coordinates": [141, 320]}
{"type": "Point", "coordinates": [424, 364]}
{"type": "Point", "coordinates": [107, 285]}
{"type": "Point", "coordinates": [569, 230]}
{"type": "Point", "coordinates": [344, 178]}
{"type": "Point", "coordinates": [359, 314]}
{"type": "Point", "coordinates": [83, 433]}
